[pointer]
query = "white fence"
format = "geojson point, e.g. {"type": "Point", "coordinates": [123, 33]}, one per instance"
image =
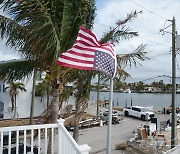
{"type": "Point", "coordinates": [35, 139]}
{"type": "Point", "coordinates": [175, 150]}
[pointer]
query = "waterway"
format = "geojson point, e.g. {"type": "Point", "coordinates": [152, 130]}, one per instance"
{"type": "Point", "coordinates": [157, 101]}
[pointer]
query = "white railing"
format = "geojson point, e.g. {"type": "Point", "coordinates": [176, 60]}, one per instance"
{"type": "Point", "coordinates": [175, 150]}
{"type": "Point", "coordinates": [35, 139]}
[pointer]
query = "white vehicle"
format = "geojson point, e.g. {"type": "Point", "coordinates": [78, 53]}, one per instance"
{"type": "Point", "coordinates": [139, 112]}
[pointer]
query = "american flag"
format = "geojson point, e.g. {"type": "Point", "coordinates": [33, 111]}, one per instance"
{"type": "Point", "coordinates": [88, 54]}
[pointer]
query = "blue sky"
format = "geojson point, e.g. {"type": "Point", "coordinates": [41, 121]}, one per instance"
{"type": "Point", "coordinates": [148, 24]}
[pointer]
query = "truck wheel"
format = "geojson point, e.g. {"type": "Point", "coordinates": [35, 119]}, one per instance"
{"type": "Point", "coordinates": [143, 117]}
{"type": "Point", "coordinates": [126, 113]}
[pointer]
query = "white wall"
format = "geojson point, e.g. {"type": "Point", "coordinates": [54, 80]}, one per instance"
{"type": "Point", "coordinates": [23, 103]}
{"type": "Point", "coordinates": [1, 96]}
{"type": "Point", "coordinates": [1, 91]}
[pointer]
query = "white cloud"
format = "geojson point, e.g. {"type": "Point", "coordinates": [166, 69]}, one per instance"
{"type": "Point", "coordinates": [148, 25]}
{"type": "Point", "coordinates": [7, 53]}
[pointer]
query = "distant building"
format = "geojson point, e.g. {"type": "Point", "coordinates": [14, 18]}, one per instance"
{"type": "Point", "coordinates": [127, 90]}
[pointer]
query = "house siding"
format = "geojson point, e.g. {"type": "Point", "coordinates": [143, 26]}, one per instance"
{"type": "Point", "coordinates": [23, 103]}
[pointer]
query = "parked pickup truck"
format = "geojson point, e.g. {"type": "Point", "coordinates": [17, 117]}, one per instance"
{"type": "Point", "coordinates": [139, 112]}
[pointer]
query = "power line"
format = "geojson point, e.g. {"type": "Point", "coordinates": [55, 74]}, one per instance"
{"type": "Point", "coordinates": [154, 42]}
{"type": "Point", "coordinates": [159, 76]}
{"type": "Point", "coordinates": [160, 55]}
{"type": "Point", "coordinates": [151, 34]}
{"type": "Point", "coordinates": [141, 36]}
{"type": "Point", "coordinates": [102, 24]}
{"type": "Point", "coordinates": [148, 10]}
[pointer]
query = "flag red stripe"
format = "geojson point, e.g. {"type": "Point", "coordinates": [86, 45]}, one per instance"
{"type": "Point", "coordinates": [76, 60]}
{"type": "Point", "coordinates": [82, 48]}
{"type": "Point", "coordinates": [103, 47]}
{"type": "Point", "coordinates": [98, 47]}
{"type": "Point", "coordinates": [89, 32]}
{"type": "Point", "coordinates": [74, 66]}
{"type": "Point", "coordinates": [88, 54]}
{"type": "Point", "coordinates": [80, 54]}
{"type": "Point", "coordinates": [84, 43]}
{"type": "Point", "coordinates": [110, 45]}
{"type": "Point", "coordinates": [87, 38]}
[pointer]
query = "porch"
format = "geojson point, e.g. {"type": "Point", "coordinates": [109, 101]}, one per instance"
{"type": "Point", "coordinates": [35, 139]}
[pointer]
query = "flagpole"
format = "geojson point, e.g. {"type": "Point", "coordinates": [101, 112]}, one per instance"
{"type": "Point", "coordinates": [108, 150]}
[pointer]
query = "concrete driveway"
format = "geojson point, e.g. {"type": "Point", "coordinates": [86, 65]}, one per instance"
{"type": "Point", "coordinates": [96, 137]}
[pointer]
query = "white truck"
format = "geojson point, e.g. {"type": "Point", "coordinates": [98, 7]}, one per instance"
{"type": "Point", "coordinates": [139, 112]}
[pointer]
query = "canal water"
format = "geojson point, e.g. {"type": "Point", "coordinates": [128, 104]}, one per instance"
{"type": "Point", "coordinates": [157, 101]}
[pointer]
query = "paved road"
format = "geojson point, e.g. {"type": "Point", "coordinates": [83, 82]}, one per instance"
{"type": "Point", "coordinates": [96, 137]}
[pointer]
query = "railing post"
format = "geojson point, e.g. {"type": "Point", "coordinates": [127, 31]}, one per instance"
{"type": "Point", "coordinates": [61, 121]}
{"type": "Point", "coordinates": [60, 136]}
{"type": "Point", "coordinates": [84, 149]}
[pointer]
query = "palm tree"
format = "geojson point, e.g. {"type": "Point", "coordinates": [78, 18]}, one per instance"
{"type": "Point", "coordinates": [44, 32]}
{"type": "Point", "coordinates": [14, 89]}
{"type": "Point", "coordinates": [41, 30]}
{"type": "Point", "coordinates": [33, 97]}
{"type": "Point", "coordinates": [116, 34]}
{"type": "Point", "coordinates": [83, 86]}
{"type": "Point", "coordinates": [45, 87]}
{"type": "Point", "coordinates": [84, 79]}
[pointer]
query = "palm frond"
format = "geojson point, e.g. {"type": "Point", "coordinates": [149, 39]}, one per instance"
{"type": "Point", "coordinates": [39, 38]}
{"type": "Point", "coordinates": [123, 34]}
{"type": "Point", "coordinates": [130, 17]}
{"type": "Point", "coordinates": [121, 74]}
{"type": "Point", "coordinates": [74, 15]}
{"type": "Point", "coordinates": [120, 32]}
{"type": "Point", "coordinates": [132, 58]}
{"type": "Point", "coordinates": [91, 14]}
{"type": "Point", "coordinates": [12, 32]}
{"type": "Point", "coordinates": [16, 70]}
{"type": "Point", "coordinates": [117, 34]}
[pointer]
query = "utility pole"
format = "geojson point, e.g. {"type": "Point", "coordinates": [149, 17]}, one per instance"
{"type": "Point", "coordinates": [173, 129]}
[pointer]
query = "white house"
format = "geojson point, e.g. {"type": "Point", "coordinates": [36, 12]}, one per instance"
{"type": "Point", "coordinates": [23, 102]}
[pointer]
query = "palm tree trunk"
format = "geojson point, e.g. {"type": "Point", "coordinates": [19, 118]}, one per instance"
{"type": "Point", "coordinates": [32, 97]}
{"type": "Point", "coordinates": [76, 121]}
{"type": "Point", "coordinates": [47, 97]}
{"type": "Point", "coordinates": [12, 103]}
{"type": "Point", "coordinates": [14, 107]}
{"type": "Point", "coordinates": [54, 111]}
{"type": "Point", "coordinates": [81, 106]}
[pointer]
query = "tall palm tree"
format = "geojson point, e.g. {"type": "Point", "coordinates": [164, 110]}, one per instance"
{"type": "Point", "coordinates": [42, 29]}
{"type": "Point", "coordinates": [14, 89]}
{"type": "Point", "coordinates": [44, 32]}
{"type": "Point", "coordinates": [33, 97]}
{"type": "Point", "coordinates": [45, 87]}
{"type": "Point", "coordinates": [83, 86]}
{"type": "Point", "coordinates": [114, 35]}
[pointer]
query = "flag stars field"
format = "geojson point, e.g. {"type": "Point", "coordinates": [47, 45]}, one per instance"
{"type": "Point", "coordinates": [88, 54]}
